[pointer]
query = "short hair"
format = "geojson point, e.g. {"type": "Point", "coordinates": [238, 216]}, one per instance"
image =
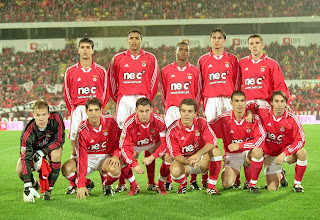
{"type": "Point", "coordinates": [237, 93]}
{"type": "Point", "coordinates": [184, 43]}
{"type": "Point", "coordinates": [135, 30]}
{"type": "Point", "coordinates": [255, 36]}
{"type": "Point", "coordinates": [144, 101]}
{"type": "Point", "coordinates": [189, 102]}
{"type": "Point", "coordinates": [220, 31]}
{"type": "Point", "coordinates": [40, 104]}
{"type": "Point", "coordinates": [279, 92]}
{"type": "Point", "coordinates": [86, 40]}
{"type": "Point", "coordinates": [93, 101]}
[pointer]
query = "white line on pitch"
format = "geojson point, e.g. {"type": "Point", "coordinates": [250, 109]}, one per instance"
{"type": "Point", "coordinates": [16, 147]}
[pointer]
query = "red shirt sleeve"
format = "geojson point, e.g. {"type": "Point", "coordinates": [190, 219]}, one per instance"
{"type": "Point", "coordinates": [82, 159]}
{"type": "Point", "coordinates": [154, 78]}
{"type": "Point", "coordinates": [67, 93]}
{"type": "Point", "coordinates": [164, 87]}
{"type": "Point", "coordinates": [113, 79]}
{"type": "Point", "coordinates": [279, 83]}
{"type": "Point", "coordinates": [299, 138]}
{"type": "Point", "coordinates": [126, 146]}
{"type": "Point", "coordinates": [173, 144]}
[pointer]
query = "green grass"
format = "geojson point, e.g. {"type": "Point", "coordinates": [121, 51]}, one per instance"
{"type": "Point", "coordinates": [232, 204]}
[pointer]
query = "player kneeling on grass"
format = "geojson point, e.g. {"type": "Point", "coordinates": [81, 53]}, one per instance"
{"type": "Point", "coordinates": [284, 141]}
{"type": "Point", "coordinates": [193, 145]}
{"type": "Point", "coordinates": [144, 130]}
{"type": "Point", "coordinates": [97, 148]}
{"type": "Point", "coordinates": [41, 141]}
{"type": "Point", "coordinates": [242, 141]}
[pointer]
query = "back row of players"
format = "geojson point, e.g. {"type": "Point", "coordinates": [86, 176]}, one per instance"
{"type": "Point", "coordinates": [190, 141]}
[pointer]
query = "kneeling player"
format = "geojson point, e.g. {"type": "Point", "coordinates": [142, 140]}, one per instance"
{"type": "Point", "coordinates": [97, 148]}
{"type": "Point", "coordinates": [284, 142]}
{"type": "Point", "coordinates": [41, 138]}
{"type": "Point", "coordinates": [193, 145]}
{"type": "Point", "coordinates": [144, 131]}
{"type": "Point", "coordinates": [242, 141]}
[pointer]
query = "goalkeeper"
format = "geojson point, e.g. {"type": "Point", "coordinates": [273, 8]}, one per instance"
{"type": "Point", "coordinates": [41, 141]}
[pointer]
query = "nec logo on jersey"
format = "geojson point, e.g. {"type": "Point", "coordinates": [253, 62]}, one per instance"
{"type": "Point", "coordinates": [98, 146]}
{"type": "Point", "coordinates": [179, 86]}
{"type": "Point", "coordinates": [214, 76]}
{"type": "Point", "coordinates": [275, 137]}
{"type": "Point", "coordinates": [240, 140]}
{"type": "Point", "coordinates": [87, 90]}
{"type": "Point", "coordinates": [254, 81]}
{"type": "Point", "coordinates": [133, 75]}
{"type": "Point", "coordinates": [144, 142]}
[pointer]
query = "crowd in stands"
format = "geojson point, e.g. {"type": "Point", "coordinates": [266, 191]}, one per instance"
{"type": "Point", "coordinates": [42, 68]}
{"type": "Point", "coordinates": [94, 10]}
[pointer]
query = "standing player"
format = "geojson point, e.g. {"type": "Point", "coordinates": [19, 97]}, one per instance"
{"type": "Point", "coordinates": [144, 131]}
{"type": "Point", "coordinates": [242, 141]}
{"type": "Point", "coordinates": [193, 145]}
{"type": "Point", "coordinates": [42, 137]}
{"type": "Point", "coordinates": [97, 148]}
{"type": "Point", "coordinates": [133, 74]}
{"type": "Point", "coordinates": [284, 142]}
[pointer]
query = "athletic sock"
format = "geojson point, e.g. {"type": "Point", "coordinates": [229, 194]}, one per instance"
{"type": "Point", "coordinates": [247, 173]}
{"type": "Point", "coordinates": [53, 176]}
{"type": "Point", "coordinates": [256, 166]}
{"type": "Point", "coordinates": [150, 169]}
{"type": "Point", "coordinates": [164, 173]}
{"type": "Point", "coordinates": [110, 179]}
{"type": "Point", "coordinates": [214, 171]}
{"type": "Point", "coordinates": [301, 167]}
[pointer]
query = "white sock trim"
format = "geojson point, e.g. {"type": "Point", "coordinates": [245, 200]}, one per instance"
{"type": "Point", "coordinates": [167, 163]}
{"type": "Point", "coordinates": [302, 162]}
{"type": "Point", "coordinates": [71, 175]}
{"type": "Point", "coordinates": [296, 182]}
{"type": "Point", "coordinates": [131, 179]}
{"type": "Point", "coordinates": [113, 176]}
{"type": "Point", "coordinates": [253, 181]}
{"type": "Point", "coordinates": [212, 182]}
{"type": "Point", "coordinates": [178, 178]}
{"type": "Point", "coordinates": [257, 160]}
{"type": "Point", "coordinates": [218, 158]}
{"type": "Point", "coordinates": [161, 178]}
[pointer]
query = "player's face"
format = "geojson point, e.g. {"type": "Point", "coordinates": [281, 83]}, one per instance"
{"type": "Point", "coordinates": [134, 41]}
{"type": "Point", "coordinates": [278, 104]}
{"type": "Point", "coordinates": [41, 117]}
{"type": "Point", "coordinates": [187, 114]}
{"type": "Point", "coordinates": [256, 46]}
{"type": "Point", "coordinates": [94, 112]}
{"type": "Point", "coordinates": [239, 104]}
{"type": "Point", "coordinates": [182, 52]}
{"type": "Point", "coordinates": [144, 113]}
{"type": "Point", "coordinates": [85, 51]}
{"type": "Point", "coordinates": [217, 40]}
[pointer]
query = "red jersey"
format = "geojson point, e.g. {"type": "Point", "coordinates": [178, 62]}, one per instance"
{"type": "Point", "coordinates": [247, 135]}
{"type": "Point", "coordinates": [101, 140]}
{"type": "Point", "coordinates": [81, 84]}
{"type": "Point", "coordinates": [178, 83]}
{"type": "Point", "coordinates": [133, 75]}
{"type": "Point", "coordinates": [284, 134]}
{"type": "Point", "coordinates": [134, 133]}
{"type": "Point", "coordinates": [261, 78]}
{"type": "Point", "coordinates": [220, 74]}
{"type": "Point", "coordinates": [187, 141]}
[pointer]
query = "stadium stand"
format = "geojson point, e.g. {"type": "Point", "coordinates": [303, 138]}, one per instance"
{"type": "Point", "coordinates": [87, 10]}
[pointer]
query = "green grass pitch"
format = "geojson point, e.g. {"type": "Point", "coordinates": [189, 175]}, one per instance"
{"type": "Point", "coordinates": [231, 204]}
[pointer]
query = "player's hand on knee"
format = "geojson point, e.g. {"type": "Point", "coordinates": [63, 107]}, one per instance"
{"type": "Point", "coordinates": [233, 147]}
{"type": "Point", "coordinates": [138, 169]}
{"type": "Point", "coordinates": [29, 193]}
{"type": "Point", "coordinates": [114, 162]}
{"type": "Point", "coordinates": [148, 160]}
{"type": "Point", "coordinates": [37, 160]}
{"type": "Point", "coordinates": [82, 192]}
{"type": "Point", "coordinates": [280, 158]}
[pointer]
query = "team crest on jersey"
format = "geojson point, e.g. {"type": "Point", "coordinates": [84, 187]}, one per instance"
{"type": "Point", "coordinates": [263, 68]}
{"type": "Point", "coordinates": [227, 65]}
{"type": "Point", "coordinates": [197, 133]}
{"type": "Point", "coordinates": [48, 135]}
{"type": "Point", "coordinates": [143, 63]}
{"type": "Point", "coordinates": [189, 76]}
{"type": "Point", "coordinates": [248, 129]}
{"type": "Point", "coordinates": [152, 131]}
{"type": "Point", "coordinates": [282, 129]}
{"type": "Point", "coordinates": [105, 132]}
{"type": "Point", "coordinates": [23, 150]}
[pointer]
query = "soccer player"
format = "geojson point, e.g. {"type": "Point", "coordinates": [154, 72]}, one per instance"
{"type": "Point", "coordinates": [144, 130]}
{"type": "Point", "coordinates": [179, 80]}
{"type": "Point", "coordinates": [133, 74]}
{"type": "Point", "coordinates": [284, 142]}
{"type": "Point", "coordinates": [97, 148]}
{"type": "Point", "coordinates": [261, 75]}
{"type": "Point", "coordinates": [193, 145]}
{"type": "Point", "coordinates": [220, 76]}
{"type": "Point", "coordinates": [41, 141]}
{"type": "Point", "coordinates": [81, 81]}
{"type": "Point", "coordinates": [242, 142]}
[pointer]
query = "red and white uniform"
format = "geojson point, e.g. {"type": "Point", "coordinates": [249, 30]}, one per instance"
{"type": "Point", "coordinates": [187, 141]}
{"type": "Point", "coordinates": [136, 134]}
{"type": "Point", "coordinates": [103, 140]}
{"type": "Point", "coordinates": [247, 135]}
{"type": "Point", "coordinates": [133, 75]}
{"type": "Point", "coordinates": [178, 83]}
{"type": "Point", "coordinates": [261, 78]}
{"type": "Point", "coordinates": [284, 134]}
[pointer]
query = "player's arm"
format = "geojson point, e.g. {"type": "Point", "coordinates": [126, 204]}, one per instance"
{"type": "Point", "coordinates": [163, 87]}
{"type": "Point", "coordinates": [26, 153]}
{"type": "Point", "coordinates": [113, 79]}
{"type": "Point", "coordinates": [82, 166]}
{"type": "Point", "coordinates": [198, 86]}
{"type": "Point", "coordinates": [154, 79]}
{"type": "Point", "coordinates": [299, 138]}
{"type": "Point", "coordinates": [67, 92]}
{"type": "Point", "coordinates": [236, 74]}
{"type": "Point", "coordinates": [58, 134]}
{"type": "Point", "coordinates": [106, 86]}
{"type": "Point", "coordinates": [278, 79]}
{"type": "Point", "coordinates": [216, 125]}
{"type": "Point", "coordinates": [126, 146]}
{"type": "Point", "coordinates": [116, 155]}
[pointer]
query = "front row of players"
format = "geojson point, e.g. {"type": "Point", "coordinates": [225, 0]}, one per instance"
{"type": "Point", "coordinates": [188, 146]}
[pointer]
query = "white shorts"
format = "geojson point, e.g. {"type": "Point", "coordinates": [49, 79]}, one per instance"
{"type": "Point", "coordinates": [172, 114]}
{"type": "Point", "coordinates": [270, 166]}
{"type": "Point", "coordinates": [216, 106]}
{"type": "Point", "coordinates": [260, 102]}
{"type": "Point", "coordinates": [95, 162]}
{"type": "Point", "coordinates": [77, 116]}
{"type": "Point", "coordinates": [150, 148]}
{"type": "Point", "coordinates": [126, 106]}
{"type": "Point", "coordinates": [196, 170]}
{"type": "Point", "coordinates": [235, 160]}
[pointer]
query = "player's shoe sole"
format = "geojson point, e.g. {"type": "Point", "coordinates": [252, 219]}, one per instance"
{"type": "Point", "coordinates": [182, 189]}
{"type": "Point", "coordinates": [90, 187]}
{"type": "Point", "coordinates": [213, 192]}
{"type": "Point", "coordinates": [168, 186]}
{"type": "Point", "coordinates": [298, 189]}
{"type": "Point", "coordinates": [108, 190]}
{"type": "Point", "coordinates": [151, 187]}
{"type": "Point", "coordinates": [204, 186]}
{"type": "Point", "coordinates": [71, 190]}
{"type": "Point", "coordinates": [254, 190]}
{"type": "Point", "coordinates": [46, 195]}
{"type": "Point", "coordinates": [194, 186]}
{"type": "Point", "coordinates": [284, 181]}
{"type": "Point", "coordinates": [246, 185]}
{"type": "Point", "coordinates": [121, 188]}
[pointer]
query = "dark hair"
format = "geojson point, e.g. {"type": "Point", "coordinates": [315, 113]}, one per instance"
{"type": "Point", "coordinates": [135, 30]}
{"type": "Point", "coordinates": [40, 104]}
{"type": "Point", "coordinates": [93, 101]}
{"type": "Point", "coordinates": [189, 102]}
{"type": "Point", "coordinates": [255, 36]}
{"type": "Point", "coordinates": [86, 40]}
{"type": "Point", "coordinates": [220, 31]}
{"type": "Point", "coordinates": [237, 93]}
{"type": "Point", "coordinates": [279, 92]}
{"type": "Point", "coordinates": [144, 101]}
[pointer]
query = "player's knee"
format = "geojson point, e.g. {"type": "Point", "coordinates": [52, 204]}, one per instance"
{"type": "Point", "coordinates": [67, 168]}
{"type": "Point", "coordinates": [114, 171]}
{"type": "Point", "coordinates": [227, 182]}
{"type": "Point", "coordinates": [167, 158]}
{"type": "Point", "coordinates": [56, 155]}
{"type": "Point", "coordinates": [19, 168]}
{"type": "Point", "coordinates": [216, 152]}
{"type": "Point", "coordinates": [302, 154]}
{"type": "Point", "coordinates": [257, 153]}
{"type": "Point", "coordinates": [272, 188]}
{"type": "Point", "coordinates": [176, 171]}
